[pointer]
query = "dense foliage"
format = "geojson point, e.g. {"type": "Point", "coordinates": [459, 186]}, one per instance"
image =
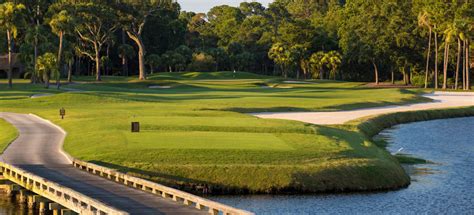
{"type": "Point", "coordinates": [417, 41]}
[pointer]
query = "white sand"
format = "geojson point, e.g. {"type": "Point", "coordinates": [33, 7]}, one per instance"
{"type": "Point", "coordinates": [159, 87]}
{"type": "Point", "coordinates": [440, 100]}
{"type": "Point", "coordinates": [40, 95]}
{"type": "Point", "coordinates": [298, 82]}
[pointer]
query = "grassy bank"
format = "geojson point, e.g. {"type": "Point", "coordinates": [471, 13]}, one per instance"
{"type": "Point", "coordinates": [374, 125]}
{"type": "Point", "coordinates": [197, 133]}
{"type": "Point", "coordinates": [371, 126]}
{"type": "Point", "coordinates": [8, 134]}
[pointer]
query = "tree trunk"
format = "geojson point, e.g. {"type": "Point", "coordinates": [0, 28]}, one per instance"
{"type": "Point", "coordinates": [97, 63]}
{"type": "Point", "coordinates": [376, 71]}
{"type": "Point", "coordinates": [464, 66]}
{"type": "Point", "coordinates": [404, 73]}
{"type": "Point", "coordinates": [436, 61]}
{"type": "Point", "coordinates": [409, 75]}
{"type": "Point", "coordinates": [10, 66]}
{"type": "Point", "coordinates": [468, 83]}
{"type": "Point", "coordinates": [151, 69]}
{"type": "Point", "coordinates": [458, 62]}
{"type": "Point", "coordinates": [35, 58]}
{"type": "Point", "coordinates": [428, 60]}
{"type": "Point", "coordinates": [141, 60]}
{"type": "Point", "coordinates": [141, 53]}
{"type": "Point", "coordinates": [445, 68]}
{"type": "Point", "coordinates": [393, 77]}
{"type": "Point", "coordinates": [106, 66]}
{"type": "Point", "coordinates": [60, 53]}
{"type": "Point", "coordinates": [125, 66]}
{"type": "Point", "coordinates": [69, 71]}
{"type": "Point", "coordinates": [124, 58]}
{"type": "Point", "coordinates": [46, 80]}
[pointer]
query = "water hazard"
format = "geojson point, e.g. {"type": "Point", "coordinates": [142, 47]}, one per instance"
{"type": "Point", "coordinates": [442, 187]}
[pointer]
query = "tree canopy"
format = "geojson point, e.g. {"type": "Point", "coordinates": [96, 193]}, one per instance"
{"type": "Point", "coordinates": [421, 42]}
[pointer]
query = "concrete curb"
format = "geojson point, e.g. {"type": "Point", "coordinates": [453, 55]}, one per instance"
{"type": "Point", "coordinates": [61, 150]}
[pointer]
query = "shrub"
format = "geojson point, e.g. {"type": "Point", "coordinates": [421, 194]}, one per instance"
{"type": "Point", "coordinates": [202, 63]}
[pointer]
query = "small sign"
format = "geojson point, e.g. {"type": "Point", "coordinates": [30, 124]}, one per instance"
{"type": "Point", "coordinates": [62, 112]}
{"type": "Point", "coordinates": [135, 127]}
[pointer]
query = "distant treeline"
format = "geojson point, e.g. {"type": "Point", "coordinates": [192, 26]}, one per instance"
{"type": "Point", "coordinates": [415, 41]}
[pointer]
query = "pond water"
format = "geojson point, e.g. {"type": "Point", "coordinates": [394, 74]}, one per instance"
{"type": "Point", "coordinates": [443, 187]}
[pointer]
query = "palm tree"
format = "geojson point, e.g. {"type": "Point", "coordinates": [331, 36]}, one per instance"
{"type": "Point", "coordinates": [11, 19]}
{"type": "Point", "coordinates": [460, 37]}
{"type": "Point", "coordinates": [47, 67]}
{"type": "Point", "coordinates": [334, 60]}
{"type": "Point", "coordinates": [317, 61]}
{"type": "Point", "coordinates": [61, 23]}
{"type": "Point", "coordinates": [449, 34]}
{"type": "Point", "coordinates": [125, 52]}
{"type": "Point", "coordinates": [424, 21]}
{"type": "Point", "coordinates": [35, 36]}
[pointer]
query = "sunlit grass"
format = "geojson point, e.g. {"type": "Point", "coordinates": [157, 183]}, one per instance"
{"type": "Point", "coordinates": [7, 135]}
{"type": "Point", "coordinates": [197, 131]}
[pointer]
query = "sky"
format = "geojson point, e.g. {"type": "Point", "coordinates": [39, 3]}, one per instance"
{"type": "Point", "coordinates": [204, 5]}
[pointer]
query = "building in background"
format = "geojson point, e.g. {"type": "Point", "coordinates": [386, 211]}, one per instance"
{"type": "Point", "coordinates": [17, 66]}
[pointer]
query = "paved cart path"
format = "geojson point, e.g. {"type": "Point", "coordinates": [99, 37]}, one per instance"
{"type": "Point", "coordinates": [440, 100]}
{"type": "Point", "coordinates": [38, 149]}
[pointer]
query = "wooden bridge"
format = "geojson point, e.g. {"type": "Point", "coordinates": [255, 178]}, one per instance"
{"type": "Point", "coordinates": [36, 162]}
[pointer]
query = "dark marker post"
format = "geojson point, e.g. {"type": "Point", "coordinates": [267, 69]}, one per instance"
{"type": "Point", "coordinates": [135, 127]}
{"type": "Point", "coordinates": [62, 112]}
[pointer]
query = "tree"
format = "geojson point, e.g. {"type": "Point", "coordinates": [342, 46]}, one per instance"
{"type": "Point", "coordinates": [363, 36]}
{"type": "Point", "coordinates": [37, 37]}
{"type": "Point", "coordinates": [449, 35]}
{"type": "Point", "coordinates": [11, 19]}
{"type": "Point", "coordinates": [317, 62]}
{"type": "Point", "coordinates": [280, 54]}
{"type": "Point", "coordinates": [424, 21]}
{"type": "Point", "coordinates": [125, 52]}
{"type": "Point", "coordinates": [95, 27]}
{"type": "Point", "coordinates": [153, 61]}
{"type": "Point", "coordinates": [333, 59]}
{"type": "Point", "coordinates": [202, 63]}
{"type": "Point", "coordinates": [47, 67]}
{"type": "Point", "coordinates": [225, 21]}
{"type": "Point", "coordinates": [299, 55]}
{"type": "Point", "coordinates": [134, 15]}
{"type": "Point", "coordinates": [69, 60]}
{"type": "Point", "coordinates": [61, 23]}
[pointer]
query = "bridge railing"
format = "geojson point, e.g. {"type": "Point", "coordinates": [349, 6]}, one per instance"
{"type": "Point", "coordinates": [68, 198]}
{"type": "Point", "coordinates": [159, 190]}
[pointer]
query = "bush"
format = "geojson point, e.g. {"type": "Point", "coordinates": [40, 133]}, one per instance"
{"type": "Point", "coordinates": [202, 63]}
{"type": "Point", "coordinates": [419, 80]}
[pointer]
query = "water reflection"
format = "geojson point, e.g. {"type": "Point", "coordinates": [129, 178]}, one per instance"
{"type": "Point", "coordinates": [9, 206]}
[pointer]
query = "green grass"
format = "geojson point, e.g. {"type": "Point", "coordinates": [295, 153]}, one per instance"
{"type": "Point", "coordinates": [197, 132]}
{"type": "Point", "coordinates": [8, 134]}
